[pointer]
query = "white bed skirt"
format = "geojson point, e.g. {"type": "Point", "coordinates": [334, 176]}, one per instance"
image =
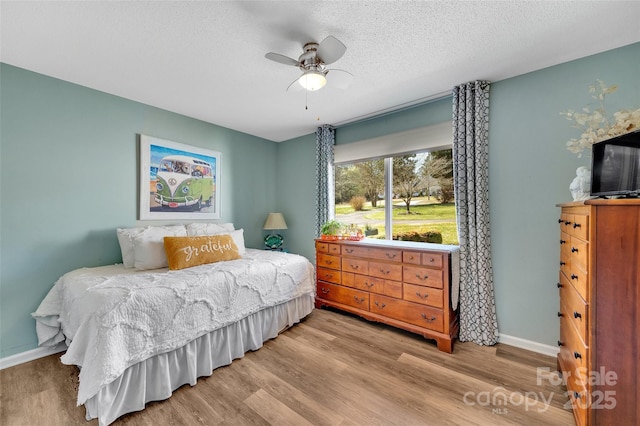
{"type": "Point", "coordinates": [156, 378]}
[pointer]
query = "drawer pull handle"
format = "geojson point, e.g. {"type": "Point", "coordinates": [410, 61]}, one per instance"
{"type": "Point", "coordinates": [562, 263]}
{"type": "Point", "coordinates": [560, 220]}
{"type": "Point", "coordinates": [411, 257]}
{"type": "Point", "coordinates": [574, 277]}
{"type": "Point", "coordinates": [329, 275]}
{"type": "Point", "coordinates": [567, 223]}
{"type": "Point", "coordinates": [559, 285]}
{"type": "Point", "coordinates": [574, 250]}
{"type": "Point", "coordinates": [577, 314]}
{"type": "Point", "coordinates": [358, 300]}
{"type": "Point", "coordinates": [422, 277]}
{"type": "Point", "coordinates": [324, 290]}
{"type": "Point", "coordinates": [576, 225]}
{"type": "Point", "coordinates": [424, 317]}
{"type": "Point", "coordinates": [328, 262]}
{"type": "Point", "coordinates": [385, 272]}
{"type": "Point", "coordinates": [368, 284]}
{"type": "Point", "coordinates": [348, 250]}
{"type": "Point", "coordinates": [390, 255]}
{"type": "Point", "coordinates": [421, 296]}
{"type": "Point", "coordinates": [560, 343]}
{"type": "Point", "coordinates": [577, 355]}
{"type": "Point", "coordinates": [560, 314]}
{"type": "Point", "coordinates": [354, 267]}
{"type": "Point", "coordinates": [379, 306]}
{"type": "Point", "coordinates": [563, 242]}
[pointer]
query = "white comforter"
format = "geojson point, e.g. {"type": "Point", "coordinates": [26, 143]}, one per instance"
{"type": "Point", "coordinates": [113, 317]}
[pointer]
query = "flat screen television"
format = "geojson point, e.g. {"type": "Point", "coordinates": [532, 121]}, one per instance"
{"type": "Point", "coordinates": [615, 166]}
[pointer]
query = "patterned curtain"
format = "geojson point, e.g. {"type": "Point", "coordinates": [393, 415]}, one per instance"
{"type": "Point", "coordinates": [478, 322]}
{"type": "Point", "coordinates": [325, 139]}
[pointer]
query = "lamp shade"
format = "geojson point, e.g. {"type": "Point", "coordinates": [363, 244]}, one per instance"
{"type": "Point", "coordinates": [275, 221]}
{"type": "Point", "coordinates": [312, 80]}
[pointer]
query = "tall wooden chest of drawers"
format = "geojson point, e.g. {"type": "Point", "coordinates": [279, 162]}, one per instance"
{"type": "Point", "coordinates": [402, 284]}
{"type": "Point", "coordinates": [599, 286]}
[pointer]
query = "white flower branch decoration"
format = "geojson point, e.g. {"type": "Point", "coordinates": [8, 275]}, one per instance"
{"type": "Point", "coordinates": [597, 126]}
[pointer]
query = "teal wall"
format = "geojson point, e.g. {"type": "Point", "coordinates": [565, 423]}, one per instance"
{"type": "Point", "coordinates": [62, 139]}
{"type": "Point", "coordinates": [69, 173]}
{"type": "Point", "coordinates": [530, 172]}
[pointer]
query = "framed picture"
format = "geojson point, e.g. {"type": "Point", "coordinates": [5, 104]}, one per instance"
{"type": "Point", "coordinates": [178, 181]}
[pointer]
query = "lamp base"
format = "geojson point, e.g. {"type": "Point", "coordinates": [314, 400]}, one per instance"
{"type": "Point", "coordinates": [273, 242]}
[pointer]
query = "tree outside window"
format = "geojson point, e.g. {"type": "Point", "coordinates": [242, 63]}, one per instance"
{"type": "Point", "coordinates": [422, 206]}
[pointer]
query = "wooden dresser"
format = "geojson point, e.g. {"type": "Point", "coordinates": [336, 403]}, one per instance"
{"type": "Point", "coordinates": [599, 290]}
{"type": "Point", "coordinates": [402, 284]}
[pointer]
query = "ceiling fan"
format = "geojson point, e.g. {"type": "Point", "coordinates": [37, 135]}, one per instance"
{"type": "Point", "coordinates": [313, 61]}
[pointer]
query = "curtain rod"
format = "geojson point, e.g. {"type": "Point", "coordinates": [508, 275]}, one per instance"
{"type": "Point", "coordinates": [394, 109]}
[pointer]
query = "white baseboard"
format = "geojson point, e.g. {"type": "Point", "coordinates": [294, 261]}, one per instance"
{"type": "Point", "coordinates": [27, 356]}
{"type": "Point", "coordinates": [529, 345]}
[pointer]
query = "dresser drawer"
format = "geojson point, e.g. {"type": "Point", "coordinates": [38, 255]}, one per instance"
{"type": "Point", "coordinates": [367, 283]}
{"type": "Point", "coordinates": [329, 275]}
{"type": "Point", "coordinates": [412, 313]}
{"type": "Point", "coordinates": [565, 262]}
{"type": "Point", "coordinates": [344, 295]}
{"type": "Point", "coordinates": [389, 254]}
{"type": "Point", "coordinates": [430, 259]}
{"type": "Point", "coordinates": [580, 226]}
{"type": "Point", "coordinates": [393, 289]}
{"type": "Point", "coordinates": [423, 276]}
{"type": "Point", "coordinates": [573, 351]}
{"type": "Point", "coordinates": [565, 244]}
{"type": "Point", "coordinates": [579, 397]}
{"type": "Point", "coordinates": [574, 308]}
{"type": "Point", "coordinates": [352, 250]}
{"type": "Point", "coordinates": [566, 220]}
{"type": "Point", "coordinates": [359, 266]}
{"type": "Point", "coordinates": [413, 257]}
{"type": "Point", "coordinates": [328, 261]}
{"type": "Point", "coordinates": [579, 280]}
{"type": "Point", "coordinates": [425, 295]}
{"type": "Point", "coordinates": [579, 252]}
{"type": "Point", "coordinates": [389, 271]}
{"type": "Point", "coordinates": [328, 248]}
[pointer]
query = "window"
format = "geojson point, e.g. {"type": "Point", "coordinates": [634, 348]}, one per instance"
{"type": "Point", "coordinates": [407, 197]}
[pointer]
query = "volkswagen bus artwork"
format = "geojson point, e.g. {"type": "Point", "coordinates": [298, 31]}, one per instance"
{"type": "Point", "coordinates": [182, 180]}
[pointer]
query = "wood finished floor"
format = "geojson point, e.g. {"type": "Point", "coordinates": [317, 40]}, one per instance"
{"type": "Point", "coordinates": [331, 369]}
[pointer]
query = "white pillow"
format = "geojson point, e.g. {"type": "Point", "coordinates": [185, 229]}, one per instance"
{"type": "Point", "coordinates": [148, 247]}
{"type": "Point", "coordinates": [238, 238]}
{"type": "Point", "coordinates": [125, 239]}
{"type": "Point", "coordinates": [203, 228]}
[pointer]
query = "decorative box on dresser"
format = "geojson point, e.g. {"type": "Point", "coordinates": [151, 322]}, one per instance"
{"type": "Point", "coordinates": [599, 290]}
{"type": "Point", "coordinates": [403, 284]}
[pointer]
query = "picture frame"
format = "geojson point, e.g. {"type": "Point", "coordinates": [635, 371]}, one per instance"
{"type": "Point", "coordinates": [178, 181]}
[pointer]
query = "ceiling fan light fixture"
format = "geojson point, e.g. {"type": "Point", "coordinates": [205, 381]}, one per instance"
{"type": "Point", "coordinates": [312, 80]}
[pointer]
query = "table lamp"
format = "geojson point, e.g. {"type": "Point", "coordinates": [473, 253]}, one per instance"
{"type": "Point", "coordinates": [274, 222]}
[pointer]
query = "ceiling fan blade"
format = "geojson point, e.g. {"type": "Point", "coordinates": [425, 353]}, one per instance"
{"type": "Point", "coordinates": [281, 58]}
{"type": "Point", "coordinates": [330, 50]}
{"type": "Point", "coordinates": [339, 78]}
{"type": "Point", "coordinates": [295, 86]}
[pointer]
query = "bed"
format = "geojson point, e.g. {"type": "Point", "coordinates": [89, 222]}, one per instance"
{"type": "Point", "coordinates": [138, 333]}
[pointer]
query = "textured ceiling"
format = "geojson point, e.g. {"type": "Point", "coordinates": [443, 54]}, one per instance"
{"type": "Point", "coordinates": [206, 59]}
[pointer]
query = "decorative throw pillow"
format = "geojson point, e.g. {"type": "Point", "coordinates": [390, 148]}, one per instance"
{"type": "Point", "coordinates": [185, 252]}
{"type": "Point", "coordinates": [148, 247]}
